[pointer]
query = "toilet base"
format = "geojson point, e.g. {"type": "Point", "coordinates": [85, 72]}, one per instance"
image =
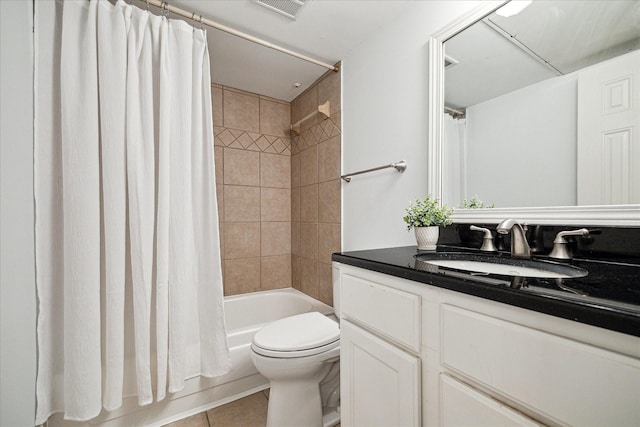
{"type": "Point", "coordinates": [295, 404]}
{"type": "Point", "coordinates": [330, 416]}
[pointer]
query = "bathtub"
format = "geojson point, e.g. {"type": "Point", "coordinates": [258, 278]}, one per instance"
{"type": "Point", "coordinates": [245, 314]}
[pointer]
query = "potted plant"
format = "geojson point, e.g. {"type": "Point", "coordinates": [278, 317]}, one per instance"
{"type": "Point", "coordinates": [426, 217]}
{"type": "Point", "coordinates": [475, 203]}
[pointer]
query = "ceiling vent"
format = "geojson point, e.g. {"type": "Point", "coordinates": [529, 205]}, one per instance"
{"type": "Point", "coordinates": [288, 8]}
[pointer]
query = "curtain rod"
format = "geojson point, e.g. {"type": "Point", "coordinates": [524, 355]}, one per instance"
{"type": "Point", "coordinates": [201, 19]}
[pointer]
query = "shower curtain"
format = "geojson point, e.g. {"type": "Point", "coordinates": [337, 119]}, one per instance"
{"type": "Point", "coordinates": [454, 184]}
{"type": "Point", "coordinates": [129, 280]}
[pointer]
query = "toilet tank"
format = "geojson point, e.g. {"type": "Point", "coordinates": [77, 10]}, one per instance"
{"type": "Point", "coordinates": [336, 288]}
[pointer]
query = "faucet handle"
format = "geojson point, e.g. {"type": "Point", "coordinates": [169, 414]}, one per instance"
{"type": "Point", "coordinates": [560, 245]}
{"type": "Point", "coordinates": [487, 240]}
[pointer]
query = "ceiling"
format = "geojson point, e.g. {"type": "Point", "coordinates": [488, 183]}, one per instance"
{"type": "Point", "coordinates": [324, 29]}
{"type": "Point", "coordinates": [567, 35]}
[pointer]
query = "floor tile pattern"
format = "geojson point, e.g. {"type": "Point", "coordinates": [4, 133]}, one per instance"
{"type": "Point", "coordinates": [250, 411]}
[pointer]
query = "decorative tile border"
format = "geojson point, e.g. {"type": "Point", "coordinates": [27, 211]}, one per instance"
{"type": "Point", "coordinates": [316, 134]}
{"type": "Point", "coordinates": [251, 141]}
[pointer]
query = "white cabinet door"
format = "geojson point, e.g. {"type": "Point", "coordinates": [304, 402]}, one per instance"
{"type": "Point", "coordinates": [462, 405]}
{"type": "Point", "coordinates": [380, 383]}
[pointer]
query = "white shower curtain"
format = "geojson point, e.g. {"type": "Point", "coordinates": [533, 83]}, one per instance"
{"type": "Point", "coordinates": [127, 247]}
{"type": "Point", "coordinates": [454, 183]}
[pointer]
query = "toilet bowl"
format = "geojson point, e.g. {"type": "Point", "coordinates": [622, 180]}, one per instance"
{"type": "Point", "coordinates": [300, 357]}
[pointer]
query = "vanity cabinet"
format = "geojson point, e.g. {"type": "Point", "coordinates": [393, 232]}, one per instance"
{"type": "Point", "coordinates": [379, 362]}
{"type": "Point", "coordinates": [379, 381]}
{"type": "Point", "coordinates": [557, 379]}
{"type": "Point", "coordinates": [476, 362]}
{"type": "Point", "coordinates": [463, 405]}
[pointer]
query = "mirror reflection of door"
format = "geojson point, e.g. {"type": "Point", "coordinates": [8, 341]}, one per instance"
{"type": "Point", "coordinates": [514, 80]}
{"type": "Point", "coordinates": [608, 127]}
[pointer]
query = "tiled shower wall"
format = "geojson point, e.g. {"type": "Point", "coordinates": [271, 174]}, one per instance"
{"type": "Point", "coordinates": [278, 194]}
{"type": "Point", "coordinates": [315, 189]}
{"type": "Point", "coordinates": [253, 175]}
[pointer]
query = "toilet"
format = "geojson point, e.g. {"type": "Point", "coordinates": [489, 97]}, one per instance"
{"type": "Point", "coordinates": [300, 355]}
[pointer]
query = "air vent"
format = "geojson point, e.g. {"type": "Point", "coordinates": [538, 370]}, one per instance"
{"type": "Point", "coordinates": [288, 8]}
{"type": "Point", "coordinates": [449, 61]}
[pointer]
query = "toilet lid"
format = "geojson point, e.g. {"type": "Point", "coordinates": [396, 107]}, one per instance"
{"type": "Point", "coordinates": [296, 333]}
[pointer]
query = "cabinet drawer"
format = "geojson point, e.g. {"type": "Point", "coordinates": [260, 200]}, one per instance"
{"type": "Point", "coordinates": [462, 405]}
{"type": "Point", "coordinates": [564, 381]}
{"type": "Point", "coordinates": [390, 312]}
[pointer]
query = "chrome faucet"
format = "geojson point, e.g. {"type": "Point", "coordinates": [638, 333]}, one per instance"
{"type": "Point", "coordinates": [519, 245]}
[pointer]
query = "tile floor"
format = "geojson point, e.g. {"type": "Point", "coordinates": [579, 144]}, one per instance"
{"type": "Point", "coordinates": [250, 411]}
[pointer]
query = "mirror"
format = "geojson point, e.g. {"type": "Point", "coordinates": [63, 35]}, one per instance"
{"type": "Point", "coordinates": [524, 93]}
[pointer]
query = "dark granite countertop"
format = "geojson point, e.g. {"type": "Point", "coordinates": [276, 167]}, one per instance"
{"type": "Point", "coordinates": [608, 297]}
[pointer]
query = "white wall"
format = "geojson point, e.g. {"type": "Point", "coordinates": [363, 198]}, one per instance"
{"type": "Point", "coordinates": [384, 116]}
{"type": "Point", "coordinates": [17, 265]}
{"type": "Point", "coordinates": [521, 146]}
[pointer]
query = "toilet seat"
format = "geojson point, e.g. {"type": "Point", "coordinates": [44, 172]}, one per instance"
{"type": "Point", "coordinates": [297, 336]}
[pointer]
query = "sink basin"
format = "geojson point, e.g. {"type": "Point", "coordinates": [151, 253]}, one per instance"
{"type": "Point", "coordinates": [487, 264]}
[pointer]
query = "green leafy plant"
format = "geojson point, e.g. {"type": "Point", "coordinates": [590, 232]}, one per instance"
{"type": "Point", "coordinates": [475, 203]}
{"type": "Point", "coordinates": [427, 212]}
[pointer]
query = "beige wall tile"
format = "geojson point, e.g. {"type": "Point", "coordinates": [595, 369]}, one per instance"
{"type": "Point", "coordinates": [218, 155]}
{"type": "Point", "coordinates": [296, 272]}
{"type": "Point", "coordinates": [220, 201]}
{"type": "Point", "coordinates": [276, 238]}
{"type": "Point", "coordinates": [308, 104]}
{"type": "Point", "coordinates": [295, 170]}
{"type": "Point", "coordinates": [241, 276]}
{"type": "Point", "coordinates": [295, 144]}
{"type": "Point", "coordinates": [309, 203]}
{"type": "Point", "coordinates": [309, 240]}
{"type": "Point", "coordinates": [275, 170]}
{"type": "Point", "coordinates": [295, 239]}
{"type": "Point", "coordinates": [328, 241]}
{"type": "Point", "coordinates": [309, 277]}
{"type": "Point", "coordinates": [241, 110]}
{"type": "Point", "coordinates": [295, 204]}
{"type": "Point", "coordinates": [309, 166]}
{"type": "Point", "coordinates": [275, 117]}
{"type": "Point", "coordinates": [241, 167]}
{"type": "Point", "coordinates": [329, 201]}
{"type": "Point", "coordinates": [329, 90]}
{"type": "Point", "coordinates": [329, 159]}
{"type": "Point", "coordinates": [241, 240]}
{"type": "Point", "coordinates": [241, 203]}
{"type": "Point", "coordinates": [336, 118]}
{"type": "Point", "coordinates": [276, 272]}
{"type": "Point", "coordinates": [275, 204]}
{"type": "Point", "coordinates": [325, 283]}
{"type": "Point", "coordinates": [271, 203]}
{"type": "Point", "coordinates": [216, 101]}
{"type": "Point", "coordinates": [221, 236]}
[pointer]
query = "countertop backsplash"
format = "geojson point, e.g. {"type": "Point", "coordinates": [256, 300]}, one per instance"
{"type": "Point", "coordinates": [615, 244]}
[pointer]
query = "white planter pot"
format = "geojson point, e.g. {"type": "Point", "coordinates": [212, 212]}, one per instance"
{"type": "Point", "coordinates": [427, 237]}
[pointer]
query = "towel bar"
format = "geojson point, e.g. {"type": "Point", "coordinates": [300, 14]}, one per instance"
{"type": "Point", "coordinates": [399, 166]}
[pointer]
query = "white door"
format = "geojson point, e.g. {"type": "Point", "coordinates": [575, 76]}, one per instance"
{"type": "Point", "coordinates": [609, 132]}
{"type": "Point", "coordinates": [380, 383]}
